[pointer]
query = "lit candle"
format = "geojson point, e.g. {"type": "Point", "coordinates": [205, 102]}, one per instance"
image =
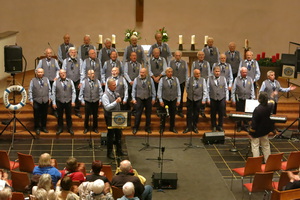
{"type": "Point", "coordinates": [180, 39]}
{"type": "Point", "coordinates": [113, 39]}
{"type": "Point", "coordinates": [277, 56]}
{"type": "Point", "coordinates": [193, 39]}
{"type": "Point", "coordinates": [205, 39]}
{"type": "Point", "coordinates": [246, 43]}
{"type": "Point", "coordinates": [100, 39]}
{"type": "Point", "coordinates": [258, 57]}
{"type": "Point", "coordinates": [273, 59]}
{"type": "Point", "coordinates": [263, 55]}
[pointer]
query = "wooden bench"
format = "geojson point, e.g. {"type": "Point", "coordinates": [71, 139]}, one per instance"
{"type": "Point", "coordinates": [285, 195]}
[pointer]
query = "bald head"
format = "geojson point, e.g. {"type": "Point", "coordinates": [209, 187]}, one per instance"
{"type": "Point", "coordinates": [125, 166]}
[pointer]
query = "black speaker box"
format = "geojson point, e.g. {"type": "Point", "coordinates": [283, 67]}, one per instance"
{"type": "Point", "coordinates": [13, 59]}
{"type": "Point", "coordinates": [164, 180]}
{"type": "Point", "coordinates": [213, 138]}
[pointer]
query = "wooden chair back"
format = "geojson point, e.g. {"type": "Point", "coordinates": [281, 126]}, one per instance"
{"type": "Point", "coordinates": [253, 165]}
{"type": "Point", "coordinates": [107, 171]}
{"type": "Point", "coordinates": [19, 180]}
{"type": "Point", "coordinates": [26, 162]}
{"type": "Point", "coordinates": [117, 192]}
{"type": "Point", "coordinates": [273, 163]}
{"type": "Point", "coordinates": [293, 161]}
{"type": "Point", "coordinates": [283, 180]}
{"type": "Point", "coordinates": [6, 163]}
{"type": "Point", "coordinates": [262, 182]}
{"type": "Point", "coordinates": [17, 196]}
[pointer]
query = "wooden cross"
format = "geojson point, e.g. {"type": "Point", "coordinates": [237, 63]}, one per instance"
{"type": "Point", "coordinates": [139, 11]}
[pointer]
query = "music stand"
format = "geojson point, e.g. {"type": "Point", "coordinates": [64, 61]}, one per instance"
{"type": "Point", "coordinates": [147, 143]}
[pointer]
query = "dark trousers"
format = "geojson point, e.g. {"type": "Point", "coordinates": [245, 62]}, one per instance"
{"type": "Point", "coordinates": [179, 109]}
{"type": "Point", "coordinates": [77, 102]}
{"type": "Point", "coordinates": [91, 108]}
{"type": "Point", "coordinates": [240, 107]}
{"type": "Point", "coordinates": [193, 108]}
{"type": "Point", "coordinates": [40, 114]}
{"type": "Point", "coordinates": [139, 107]}
{"type": "Point", "coordinates": [61, 107]}
{"type": "Point", "coordinates": [114, 136]}
{"type": "Point", "coordinates": [172, 111]}
{"type": "Point", "coordinates": [217, 107]}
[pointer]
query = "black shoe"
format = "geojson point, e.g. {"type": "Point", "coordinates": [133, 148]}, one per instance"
{"type": "Point", "coordinates": [239, 129]}
{"type": "Point", "coordinates": [214, 129]}
{"type": "Point", "coordinates": [186, 130]}
{"type": "Point", "coordinates": [71, 131]}
{"type": "Point", "coordinates": [110, 155]}
{"type": "Point", "coordinates": [173, 130]}
{"type": "Point", "coordinates": [85, 130]}
{"type": "Point", "coordinates": [96, 130]}
{"type": "Point", "coordinates": [78, 115]}
{"type": "Point", "coordinates": [134, 131]}
{"type": "Point", "coordinates": [196, 130]}
{"type": "Point", "coordinates": [44, 130]}
{"type": "Point", "coordinates": [148, 130]}
{"type": "Point", "coordinates": [180, 114]}
{"type": "Point", "coordinates": [37, 131]}
{"type": "Point", "coordinates": [59, 131]}
{"type": "Point", "coordinates": [203, 115]}
{"type": "Point", "coordinates": [122, 153]}
{"type": "Point", "coordinates": [220, 128]}
{"type": "Point", "coordinates": [55, 114]}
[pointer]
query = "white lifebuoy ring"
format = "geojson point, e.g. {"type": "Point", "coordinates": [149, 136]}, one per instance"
{"type": "Point", "coordinates": [12, 89]}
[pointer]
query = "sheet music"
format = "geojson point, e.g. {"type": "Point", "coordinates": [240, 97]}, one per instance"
{"type": "Point", "coordinates": [250, 105]}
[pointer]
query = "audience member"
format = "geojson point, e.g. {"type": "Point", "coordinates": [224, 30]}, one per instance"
{"type": "Point", "coordinates": [63, 97]}
{"type": "Point", "coordinates": [45, 167]}
{"type": "Point", "coordinates": [128, 191]}
{"type": "Point", "coordinates": [294, 182]}
{"type": "Point", "coordinates": [44, 184]}
{"type": "Point", "coordinates": [96, 174]}
{"type": "Point", "coordinates": [126, 175]}
{"type": "Point", "coordinates": [4, 180]}
{"type": "Point", "coordinates": [63, 190]}
{"type": "Point", "coordinates": [71, 170]}
{"type": "Point", "coordinates": [5, 194]}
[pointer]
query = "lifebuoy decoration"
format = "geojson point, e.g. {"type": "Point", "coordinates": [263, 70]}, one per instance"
{"type": "Point", "coordinates": [10, 89]}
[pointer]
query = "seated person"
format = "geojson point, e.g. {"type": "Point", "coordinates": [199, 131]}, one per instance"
{"type": "Point", "coordinates": [128, 190]}
{"type": "Point", "coordinates": [44, 183]}
{"type": "Point", "coordinates": [4, 180]}
{"type": "Point", "coordinates": [5, 194]}
{"type": "Point", "coordinates": [45, 167]}
{"type": "Point", "coordinates": [94, 190]}
{"type": "Point", "coordinates": [63, 189]}
{"type": "Point", "coordinates": [71, 170]}
{"type": "Point", "coordinates": [126, 175]}
{"type": "Point", "coordinates": [42, 194]}
{"type": "Point", "coordinates": [96, 169]}
{"type": "Point", "coordinates": [294, 181]}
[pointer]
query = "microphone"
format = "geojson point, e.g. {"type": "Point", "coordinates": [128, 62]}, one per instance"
{"type": "Point", "coordinates": [51, 48]}
{"type": "Point", "coordinates": [167, 109]}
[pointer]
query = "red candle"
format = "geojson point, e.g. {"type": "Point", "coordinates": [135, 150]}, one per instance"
{"type": "Point", "coordinates": [277, 56]}
{"type": "Point", "coordinates": [273, 59]}
{"type": "Point", "coordinates": [258, 57]}
{"type": "Point", "coordinates": [263, 55]}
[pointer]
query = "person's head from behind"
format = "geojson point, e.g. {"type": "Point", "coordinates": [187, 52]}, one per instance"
{"type": "Point", "coordinates": [41, 194]}
{"type": "Point", "coordinates": [45, 160]}
{"type": "Point", "coordinates": [128, 189]}
{"type": "Point", "coordinates": [98, 186]}
{"type": "Point", "coordinates": [263, 98]}
{"type": "Point", "coordinates": [5, 194]}
{"type": "Point", "coordinates": [125, 166]}
{"type": "Point", "coordinates": [71, 164]}
{"type": "Point", "coordinates": [66, 183]}
{"type": "Point", "coordinates": [45, 182]}
{"type": "Point", "coordinates": [96, 166]}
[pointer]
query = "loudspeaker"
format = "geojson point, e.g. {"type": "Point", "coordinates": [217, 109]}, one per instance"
{"type": "Point", "coordinates": [213, 138]}
{"type": "Point", "coordinates": [13, 58]}
{"type": "Point", "coordinates": [166, 180]}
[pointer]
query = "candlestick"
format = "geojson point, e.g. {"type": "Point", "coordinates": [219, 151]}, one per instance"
{"type": "Point", "coordinates": [273, 59]}
{"type": "Point", "coordinates": [258, 57]}
{"type": "Point", "coordinates": [277, 56]}
{"type": "Point", "coordinates": [113, 39]}
{"type": "Point", "coordinates": [205, 39]}
{"type": "Point", "coordinates": [100, 39]}
{"type": "Point", "coordinates": [193, 47]}
{"type": "Point", "coordinates": [180, 39]}
{"type": "Point", "coordinates": [193, 39]}
{"type": "Point", "coordinates": [246, 43]}
{"type": "Point", "coordinates": [180, 47]}
{"type": "Point", "coordinates": [263, 55]}
{"type": "Point", "coordinates": [99, 46]}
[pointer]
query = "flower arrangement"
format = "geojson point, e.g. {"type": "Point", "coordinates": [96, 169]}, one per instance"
{"type": "Point", "coordinates": [129, 33]}
{"type": "Point", "coordinates": [165, 37]}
